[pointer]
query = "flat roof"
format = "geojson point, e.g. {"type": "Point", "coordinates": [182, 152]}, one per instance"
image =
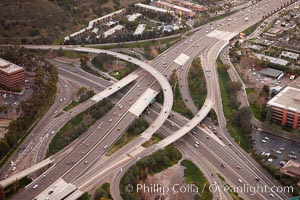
{"type": "Point", "coordinates": [288, 98]}
{"type": "Point", "coordinates": [151, 7]}
{"type": "Point", "coordinates": [271, 72]}
{"type": "Point", "coordinates": [133, 17]}
{"type": "Point", "coordinates": [140, 29]}
{"type": "Point", "coordinates": [290, 54]}
{"type": "Point", "coordinates": [175, 6]}
{"type": "Point", "coordinates": [273, 60]}
{"type": "Point", "coordinates": [113, 30]}
{"type": "Point", "coordinates": [9, 67]}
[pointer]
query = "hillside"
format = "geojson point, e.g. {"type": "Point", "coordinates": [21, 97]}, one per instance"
{"type": "Point", "coordinates": [47, 21]}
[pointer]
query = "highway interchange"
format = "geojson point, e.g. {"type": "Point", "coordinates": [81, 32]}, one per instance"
{"type": "Point", "coordinates": [231, 155]}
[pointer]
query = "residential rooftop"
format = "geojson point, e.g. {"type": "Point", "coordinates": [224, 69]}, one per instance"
{"type": "Point", "coordinates": [151, 7]}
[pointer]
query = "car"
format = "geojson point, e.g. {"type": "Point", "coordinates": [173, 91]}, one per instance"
{"type": "Point", "coordinates": [52, 132]}
{"type": "Point", "coordinates": [279, 152]}
{"type": "Point", "coordinates": [196, 145]}
{"type": "Point", "coordinates": [207, 137]}
{"type": "Point", "coordinates": [197, 142]}
{"type": "Point", "coordinates": [43, 176]}
{"type": "Point", "coordinates": [263, 141]}
{"type": "Point", "coordinates": [238, 167]}
{"type": "Point", "coordinates": [13, 169]}
{"type": "Point", "coordinates": [35, 186]}
{"type": "Point", "coordinates": [50, 192]}
{"type": "Point", "coordinates": [129, 58]}
{"type": "Point", "coordinates": [267, 138]}
{"type": "Point", "coordinates": [240, 180]}
{"type": "Point", "coordinates": [86, 162]}
{"type": "Point", "coordinates": [256, 178]}
{"type": "Point", "coordinates": [272, 195]}
{"type": "Point", "coordinates": [105, 147]}
{"type": "Point", "coordinates": [281, 149]}
{"type": "Point", "coordinates": [222, 165]}
{"type": "Point", "coordinates": [110, 120]}
{"type": "Point", "coordinates": [118, 128]}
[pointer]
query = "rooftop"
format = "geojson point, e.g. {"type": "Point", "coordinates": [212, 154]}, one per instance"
{"type": "Point", "coordinates": [151, 7]}
{"type": "Point", "coordinates": [273, 60]}
{"type": "Point", "coordinates": [133, 17]}
{"type": "Point", "coordinates": [291, 168]}
{"type": "Point", "coordinates": [288, 98]}
{"type": "Point", "coordinates": [9, 67]}
{"type": "Point", "coordinates": [113, 30]}
{"type": "Point", "coordinates": [180, 8]}
{"type": "Point", "coordinates": [288, 54]}
{"type": "Point", "coordinates": [271, 72]}
{"type": "Point", "coordinates": [140, 29]}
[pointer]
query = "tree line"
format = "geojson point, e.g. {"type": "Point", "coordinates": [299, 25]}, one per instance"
{"type": "Point", "coordinates": [43, 96]}
{"type": "Point", "coordinates": [155, 163]}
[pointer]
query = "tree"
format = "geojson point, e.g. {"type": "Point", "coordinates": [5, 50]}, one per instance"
{"type": "Point", "coordinates": [60, 52]}
{"type": "Point", "coordinates": [242, 119]}
{"type": "Point", "coordinates": [266, 90]}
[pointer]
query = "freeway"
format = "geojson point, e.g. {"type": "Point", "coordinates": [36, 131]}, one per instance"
{"type": "Point", "coordinates": [167, 58]}
{"type": "Point", "coordinates": [99, 145]}
{"type": "Point", "coordinates": [65, 90]}
{"type": "Point", "coordinates": [212, 56]}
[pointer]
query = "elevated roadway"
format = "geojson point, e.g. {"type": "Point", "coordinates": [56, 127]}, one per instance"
{"type": "Point", "coordinates": [148, 151]}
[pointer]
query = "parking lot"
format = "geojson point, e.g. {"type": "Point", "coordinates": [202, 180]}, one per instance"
{"type": "Point", "coordinates": [275, 149]}
{"type": "Point", "coordinates": [12, 100]}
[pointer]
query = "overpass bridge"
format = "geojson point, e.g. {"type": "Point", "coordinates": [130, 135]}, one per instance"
{"type": "Point", "coordinates": [16, 177]}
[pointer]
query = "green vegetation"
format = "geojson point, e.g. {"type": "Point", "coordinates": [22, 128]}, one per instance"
{"type": "Point", "coordinates": [78, 125]}
{"type": "Point", "coordinates": [121, 73]}
{"type": "Point", "coordinates": [212, 114]}
{"type": "Point", "coordinates": [85, 196]}
{"type": "Point", "coordinates": [34, 107]}
{"type": "Point", "coordinates": [141, 44]}
{"type": "Point", "coordinates": [178, 104]}
{"type": "Point", "coordinates": [83, 94]}
{"type": "Point", "coordinates": [152, 164]}
{"type": "Point", "coordinates": [101, 60]}
{"type": "Point", "coordinates": [49, 21]}
{"type": "Point", "coordinates": [258, 101]}
{"type": "Point", "coordinates": [71, 105]}
{"type": "Point", "coordinates": [228, 103]}
{"type": "Point", "coordinates": [256, 110]}
{"type": "Point", "coordinates": [84, 66]}
{"type": "Point", "coordinates": [16, 186]}
{"type": "Point", "coordinates": [192, 174]}
{"type": "Point", "coordinates": [133, 131]}
{"type": "Point", "coordinates": [234, 195]}
{"type": "Point", "coordinates": [70, 54]}
{"type": "Point", "coordinates": [274, 171]}
{"type": "Point", "coordinates": [153, 140]}
{"type": "Point", "coordinates": [220, 177]}
{"type": "Point", "coordinates": [196, 82]}
{"type": "Point", "coordinates": [103, 193]}
{"type": "Point", "coordinates": [251, 29]}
